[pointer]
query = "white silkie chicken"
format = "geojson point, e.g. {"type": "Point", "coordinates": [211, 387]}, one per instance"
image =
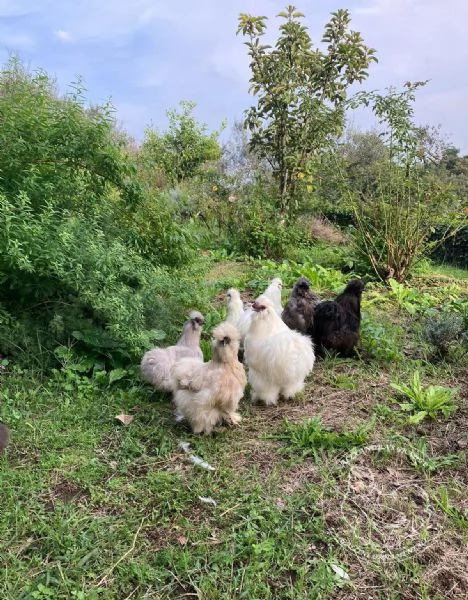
{"type": "Point", "coordinates": [157, 363]}
{"type": "Point", "coordinates": [278, 358]}
{"type": "Point", "coordinates": [235, 306]}
{"type": "Point", "coordinates": [273, 294]}
{"type": "Point", "coordinates": [208, 394]}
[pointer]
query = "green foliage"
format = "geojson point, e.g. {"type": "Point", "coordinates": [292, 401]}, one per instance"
{"type": "Point", "coordinates": [301, 94]}
{"type": "Point", "coordinates": [446, 331]}
{"type": "Point", "coordinates": [180, 152]}
{"type": "Point", "coordinates": [310, 438]}
{"type": "Point", "coordinates": [248, 221]}
{"type": "Point", "coordinates": [409, 299]}
{"type": "Point", "coordinates": [259, 234]}
{"type": "Point", "coordinates": [321, 278]}
{"type": "Point", "coordinates": [458, 516]}
{"type": "Point", "coordinates": [426, 402]}
{"type": "Point", "coordinates": [394, 111]}
{"type": "Point", "coordinates": [53, 149]}
{"type": "Point", "coordinates": [380, 341]}
{"type": "Point", "coordinates": [82, 247]}
{"type": "Point", "coordinates": [399, 203]}
{"type": "Point", "coordinates": [422, 459]}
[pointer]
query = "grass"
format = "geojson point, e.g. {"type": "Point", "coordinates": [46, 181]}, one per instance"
{"type": "Point", "coordinates": [450, 271]}
{"type": "Point", "coordinates": [333, 495]}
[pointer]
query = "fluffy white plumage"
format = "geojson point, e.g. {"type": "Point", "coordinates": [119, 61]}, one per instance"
{"type": "Point", "coordinates": [235, 306]}
{"type": "Point", "coordinates": [209, 393]}
{"type": "Point", "coordinates": [157, 363]}
{"type": "Point", "coordinates": [278, 358]}
{"type": "Point", "coordinates": [273, 294]}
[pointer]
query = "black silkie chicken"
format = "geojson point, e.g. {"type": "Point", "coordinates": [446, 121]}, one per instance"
{"type": "Point", "coordinates": [337, 322]}
{"type": "Point", "coordinates": [298, 313]}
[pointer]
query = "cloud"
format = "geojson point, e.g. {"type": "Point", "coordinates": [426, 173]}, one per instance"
{"type": "Point", "coordinates": [149, 55]}
{"type": "Point", "coordinates": [419, 40]}
{"type": "Point", "coordinates": [63, 36]}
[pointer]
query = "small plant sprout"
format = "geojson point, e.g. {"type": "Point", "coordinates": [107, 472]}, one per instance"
{"type": "Point", "coordinates": [426, 401]}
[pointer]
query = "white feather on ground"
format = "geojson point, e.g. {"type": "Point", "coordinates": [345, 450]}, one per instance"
{"type": "Point", "coordinates": [208, 394]}
{"type": "Point", "coordinates": [278, 358]}
{"type": "Point", "coordinates": [157, 363]}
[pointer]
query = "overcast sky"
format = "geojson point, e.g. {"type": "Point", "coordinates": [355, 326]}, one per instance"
{"type": "Point", "coordinates": [149, 54]}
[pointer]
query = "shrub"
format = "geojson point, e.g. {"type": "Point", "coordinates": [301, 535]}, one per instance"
{"type": "Point", "coordinates": [82, 247]}
{"type": "Point", "coordinates": [446, 331]}
{"type": "Point", "coordinates": [395, 221]}
{"type": "Point", "coordinates": [254, 227]}
{"type": "Point", "coordinates": [400, 202]}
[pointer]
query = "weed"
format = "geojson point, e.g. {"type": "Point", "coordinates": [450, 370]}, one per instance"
{"type": "Point", "coordinates": [311, 438]}
{"type": "Point", "coordinates": [320, 278]}
{"type": "Point", "coordinates": [459, 517]}
{"type": "Point", "coordinates": [425, 402]}
{"type": "Point", "coordinates": [409, 299]}
{"type": "Point", "coordinates": [379, 341]}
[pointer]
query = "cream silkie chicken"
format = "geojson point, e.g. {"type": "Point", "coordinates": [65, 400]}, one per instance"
{"type": "Point", "coordinates": [157, 363]}
{"type": "Point", "coordinates": [278, 358]}
{"type": "Point", "coordinates": [208, 394]}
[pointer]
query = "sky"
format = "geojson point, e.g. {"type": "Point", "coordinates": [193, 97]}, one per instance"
{"type": "Point", "coordinates": [147, 55]}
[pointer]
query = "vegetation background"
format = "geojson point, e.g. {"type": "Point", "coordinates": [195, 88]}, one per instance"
{"type": "Point", "coordinates": [357, 489]}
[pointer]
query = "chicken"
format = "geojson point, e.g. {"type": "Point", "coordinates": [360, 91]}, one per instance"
{"type": "Point", "coordinates": [273, 294]}
{"type": "Point", "coordinates": [235, 306]}
{"type": "Point", "coordinates": [298, 313]}
{"type": "Point", "coordinates": [209, 393]}
{"type": "Point", "coordinates": [337, 322]}
{"type": "Point", "coordinates": [157, 363]}
{"type": "Point", "coordinates": [278, 358]}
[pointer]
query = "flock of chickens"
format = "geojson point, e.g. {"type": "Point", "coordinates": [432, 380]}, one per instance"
{"type": "Point", "coordinates": [278, 351]}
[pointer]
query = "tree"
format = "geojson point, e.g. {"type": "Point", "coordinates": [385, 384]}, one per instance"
{"type": "Point", "coordinates": [301, 92]}
{"type": "Point", "coordinates": [401, 201]}
{"type": "Point", "coordinates": [183, 148]}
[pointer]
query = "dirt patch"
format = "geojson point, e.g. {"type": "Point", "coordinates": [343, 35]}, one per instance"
{"type": "Point", "coordinates": [258, 456]}
{"type": "Point", "coordinates": [159, 537]}
{"type": "Point", "coordinates": [384, 520]}
{"type": "Point", "coordinates": [295, 477]}
{"type": "Point", "coordinates": [64, 492]}
{"type": "Point", "coordinates": [322, 230]}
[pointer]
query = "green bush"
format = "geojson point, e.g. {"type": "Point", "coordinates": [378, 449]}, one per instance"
{"type": "Point", "coordinates": [255, 227]}
{"type": "Point", "coordinates": [82, 247]}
